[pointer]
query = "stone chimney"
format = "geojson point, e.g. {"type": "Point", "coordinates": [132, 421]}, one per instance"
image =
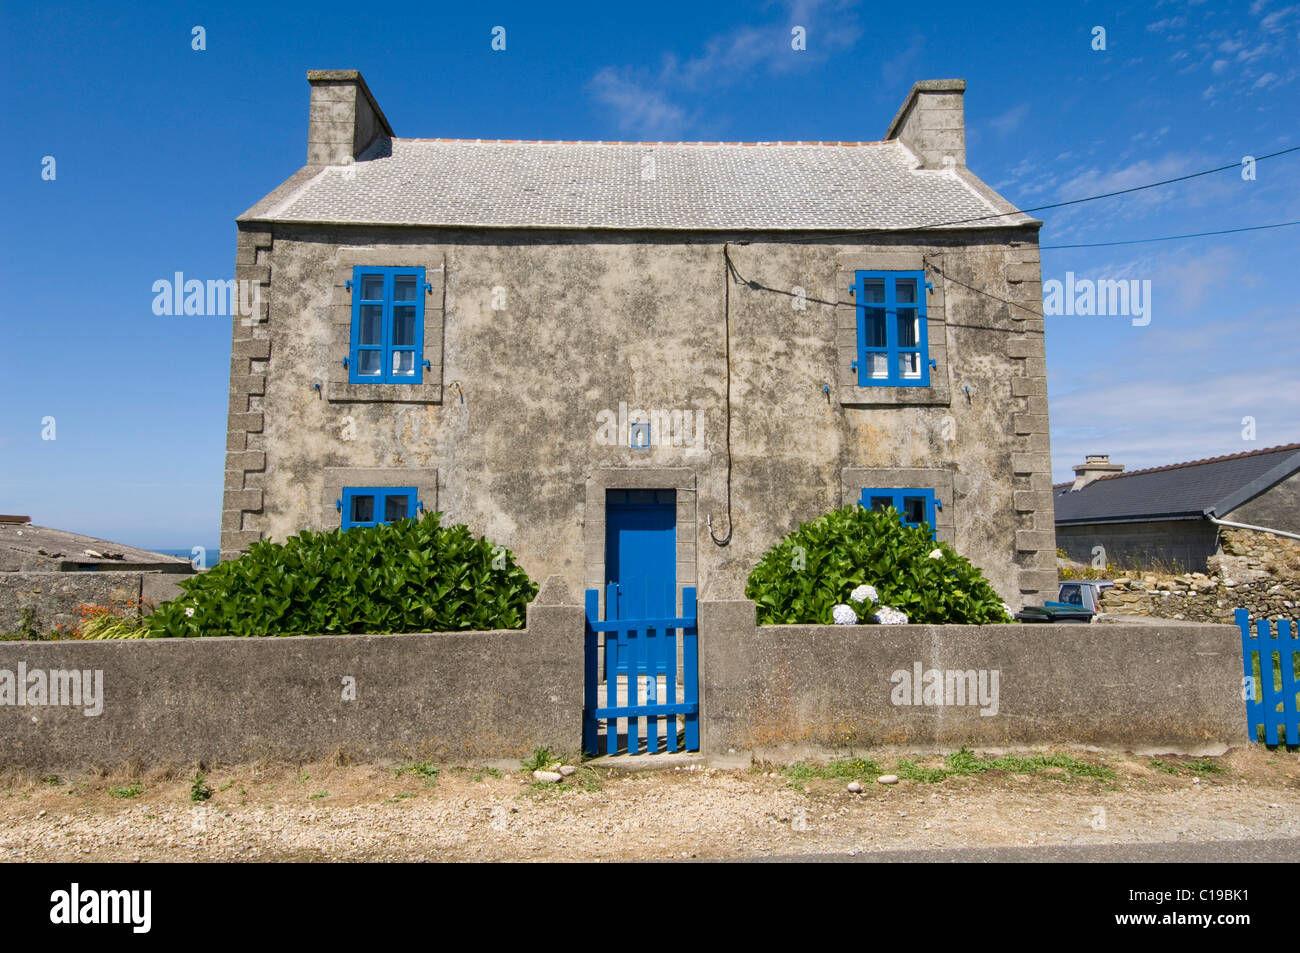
{"type": "Point", "coordinates": [344, 118]}
{"type": "Point", "coordinates": [932, 122]}
{"type": "Point", "coordinates": [1094, 465]}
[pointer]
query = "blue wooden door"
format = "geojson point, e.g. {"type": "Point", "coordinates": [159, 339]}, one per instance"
{"type": "Point", "coordinates": [640, 557]}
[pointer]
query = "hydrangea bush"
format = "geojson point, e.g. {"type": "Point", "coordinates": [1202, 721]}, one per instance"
{"type": "Point", "coordinates": [856, 565]}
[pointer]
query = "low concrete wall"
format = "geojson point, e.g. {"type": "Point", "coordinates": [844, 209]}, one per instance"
{"type": "Point", "coordinates": [470, 697]}
{"type": "Point", "coordinates": [796, 688]}
{"type": "Point", "coordinates": [53, 597]}
{"type": "Point", "coordinates": [463, 697]}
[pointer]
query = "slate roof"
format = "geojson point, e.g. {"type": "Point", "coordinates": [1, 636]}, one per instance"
{"type": "Point", "coordinates": [1177, 491]}
{"type": "Point", "coordinates": [538, 184]}
{"type": "Point", "coordinates": [28, 548]}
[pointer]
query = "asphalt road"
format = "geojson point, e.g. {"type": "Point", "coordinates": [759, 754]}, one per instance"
{"type": "Point", "coordinates": [1282, 850]}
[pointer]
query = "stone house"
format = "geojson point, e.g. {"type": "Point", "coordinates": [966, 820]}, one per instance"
{"type": "Point", "coordinates": [1176, 515]}
{"type": "Point", "coordinates": [642, 363]}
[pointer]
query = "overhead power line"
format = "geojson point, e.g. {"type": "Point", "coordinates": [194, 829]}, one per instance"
{"type": "Point", "coordinates": [1040, 208]}
{"type": "Point", "coordinates": [1170, 238]}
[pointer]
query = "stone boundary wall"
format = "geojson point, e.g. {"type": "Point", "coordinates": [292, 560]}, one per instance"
{"type": "Point", "coordinates": [464, 697]}
{"type": "Point", "coordinates": [473, 697]}
{"type": "Point", "coordinates": [788, 690]}
{"type": "Point", "coordinates": [1259, 572]}
{"type": "Point", "coordinates": [53, 597]}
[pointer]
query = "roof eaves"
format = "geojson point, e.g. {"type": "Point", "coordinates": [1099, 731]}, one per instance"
{"type": "Point", "coordinates": [1254, 488]}
{"type": "Point", "coordinates": [1141, 518]}
{"type": "Point", "coordinates": [264, 209]}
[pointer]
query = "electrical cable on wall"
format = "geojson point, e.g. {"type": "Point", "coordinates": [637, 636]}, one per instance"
{"type": "Point", "coordinates": [727, 274]}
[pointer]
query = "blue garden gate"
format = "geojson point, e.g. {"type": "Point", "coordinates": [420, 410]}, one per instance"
{"type": "Point", "coordinates": [1270, 687]}
{"type": "Point", "coordinates": [649, 679]}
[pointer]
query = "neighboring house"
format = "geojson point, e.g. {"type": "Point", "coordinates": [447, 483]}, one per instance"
{"type": "Point", "coordinates": [46, 575]}
{"type": "Point", "coordinates": [28, 548]}
{"type": "Point", "coordinates": [1173, 514]}
{"type": "Point", "coordinates": [642, 363]}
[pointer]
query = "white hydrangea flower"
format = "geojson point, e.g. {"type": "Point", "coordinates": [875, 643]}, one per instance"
{"type": "Point", "coordinates": [1007, 609]}
{"type": "Point", "coordinates": [189, 612]}
{"type": "Point", "coordinates": [865, 593]}
{"type": "Point", "coordinates": [888, 615]}
{"type": "Point", "coordinates": [844, 615]}
{"type": "Point", "coordinates": [936, 554]}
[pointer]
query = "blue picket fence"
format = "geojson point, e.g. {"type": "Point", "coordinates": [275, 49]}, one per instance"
{"type": "Point", "coordinates": [645, 674]}
{"type": "Point", "coordinates": [1270, 686]}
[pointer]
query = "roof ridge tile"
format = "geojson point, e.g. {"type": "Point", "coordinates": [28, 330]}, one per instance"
{"type": "Point", "coordinates": [1193, 463]}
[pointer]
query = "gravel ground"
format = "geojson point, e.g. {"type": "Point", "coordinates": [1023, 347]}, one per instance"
{"type": "Point", "coordinates": [370, 812]}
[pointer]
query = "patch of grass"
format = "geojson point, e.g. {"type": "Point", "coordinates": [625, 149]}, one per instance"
{"type": "Point", "coordinates": [50, 779]}
{"type": "Point", "coordinates": [907, 771]}
{"type": "Point", "coordinates": [1203, 767]}
{"type": "Point", "coordinates": [849, 769]}
{"type": "Point", "coordinates": [199, 789]}
{"type": "Point", "coordinates": [318, 795]}
{"type": "Point", "coordinates": [486, 772]}
{"type": "Point", "coordinates": [588, 779]}
{"type": "Point", "coordinates": [1156, 764]}
{"type": "Point", "coordinates": [228, 785]}
{"type": "Point", "coordinates": [134, 790]}
{"type": "Point", "coordinates": [401, 795]}
{"type": "Point", "coordinates": [419, 769]}
{"type": "Point", "coordinates": [541, 760]}
{"type": "Point", "coordinates": [966, 763]}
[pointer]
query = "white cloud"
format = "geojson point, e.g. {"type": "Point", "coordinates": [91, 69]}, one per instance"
{"type": "Point", "coordinates": [643, 99]}
{"type": "Point", "coordinates": [637, 108]}
{"type": "Point", "coordinates": [1010, 120]}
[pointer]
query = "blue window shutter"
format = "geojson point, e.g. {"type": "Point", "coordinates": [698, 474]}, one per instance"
{"type": "Point", "coordinates": [898, 496]}
{"type": "Point", "coordinates": [893, 349]}
{"type": "Point", "coordinates": [380, 495]}
{"type": "Point", "coordinates": [859, 291]}
{"type": "Point", "coordinates": [387, 347]}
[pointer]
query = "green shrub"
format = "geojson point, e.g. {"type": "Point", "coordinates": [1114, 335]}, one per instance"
{"type": "Point", "coordinates": [200, 790]}
{"type": "Point", "coordinates": [803, 577]}
{"type": "Point", "coordinates": [409, 576]}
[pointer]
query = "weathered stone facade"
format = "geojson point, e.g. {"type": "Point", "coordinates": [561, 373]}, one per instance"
{"type": "Point", "coordinates": [531, 333]}
{"type": "Point", "coordinates": [1259, 572]}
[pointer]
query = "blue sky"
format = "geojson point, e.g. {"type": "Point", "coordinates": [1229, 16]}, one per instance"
{"type": "Point", "coordinates": [158, 147]}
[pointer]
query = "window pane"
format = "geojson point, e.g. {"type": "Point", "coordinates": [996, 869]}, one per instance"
{"type": "Point", "coordinates": [404, 326]}
{"type": "Point", "coordinates": [881, 503]}
{"type": "Point", "coordinates": [874, 321]}
{"type": "Point", "coordinates": [404, 363]}
{"type": "Point", "coordinates": [907, 327]}
{"type": "Point", "coordinates": [878, 365]}
{"type": "Point", "coordinates": [404, 287]}
{"type": "Point", "coordinates": [914, 509]}
{"type": "Point", "coordinates": [368, 363]}
{"type": "Point", "coordinates": [909, 364]}
{"type": "Point", "coordinates": [396, 507]}
{"type": "Point", "coordinates": [372, 287]}
{"type": "Point", "coordinates": [372, 324]}
{"type": "Point", "coordinates": [905, 291]}
{"type": "Point", "coordinates": [873, 291]}
{"type": "Point", "coordinates": [363, 509]}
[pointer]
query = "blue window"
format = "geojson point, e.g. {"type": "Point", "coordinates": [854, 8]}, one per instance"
{"type": "Point", "coordinates": [893, 345]}
{"type": "Point", "coordinates": [914, 506]}
{"type": "Point", "coordinates": [372, 505]}
{"type": "Point", "coordinates": [387, 326]}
